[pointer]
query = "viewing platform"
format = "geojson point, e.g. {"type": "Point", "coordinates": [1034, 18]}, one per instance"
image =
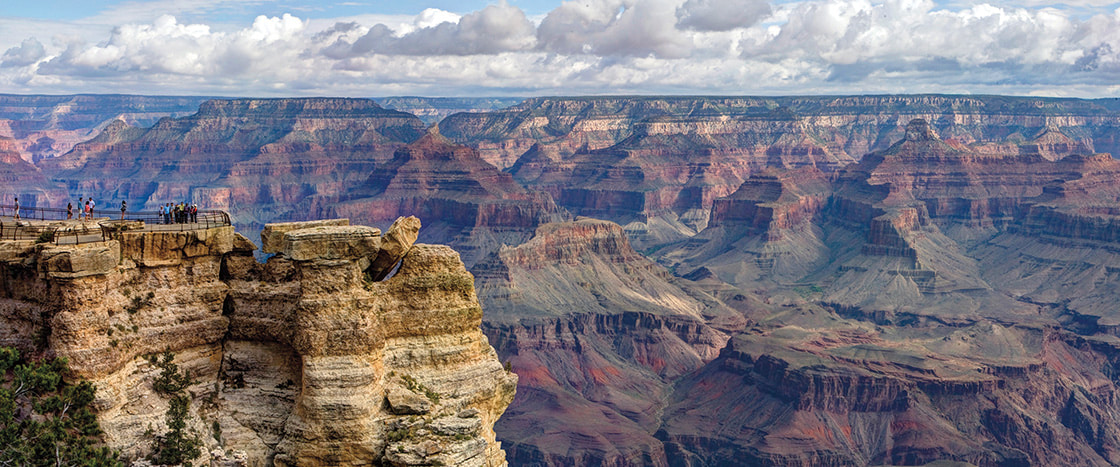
{"type": "Point", "coordinates": [51, 224]}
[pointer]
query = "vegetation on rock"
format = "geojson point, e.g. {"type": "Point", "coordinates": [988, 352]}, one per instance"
{"type": "Point", "coordinates": [45, 421]}
{"type": "Point", "coordinates": [179, 444]}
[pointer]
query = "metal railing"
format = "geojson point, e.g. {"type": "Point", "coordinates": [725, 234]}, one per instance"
{"type": "Point", "coordinates": [102, 226]}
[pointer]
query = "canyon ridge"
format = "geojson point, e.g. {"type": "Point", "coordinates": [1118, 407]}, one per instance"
{"type": "Point", "coordinates": [841, 280]}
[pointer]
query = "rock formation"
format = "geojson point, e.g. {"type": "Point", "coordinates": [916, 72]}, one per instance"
{"type": "Point", "coordinates": [474, 206]}
{"type": "Point", "coordinates": [302, 360]}
{"type": "Point", "coordinates": [778, 281]}
{"type": "Point", "coordinates": [48, 126]}
{"type": "Point", "coordinates": [597, 334]}
{"type": "Point", "coordinates": [263, 160]}
{"type": "Point", "coordinates": [26, 181]}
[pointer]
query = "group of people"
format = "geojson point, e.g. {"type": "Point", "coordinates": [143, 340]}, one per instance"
{"type": "Point", "coordinates": [169, 213]}
{"type": "Point", "coordinates": [181, 213]}
{"type": "Point", "coordinates": [85, 212]}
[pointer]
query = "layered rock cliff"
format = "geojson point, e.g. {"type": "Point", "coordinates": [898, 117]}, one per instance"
{"type": "Point", "coordinates": [24, 180]}
{"type": "Point", "coordinates": [260, 159]}
{"type": "Point", "coordinates": [49, 126]}
{"type": "Point", "coordinates": [948, 296]}
{"type": "Point", "coordinates": [302, 360]}
{"type": "Point", "coordinates": [473, 206]}
{"type": "Point", "coordinates": [805, 128]}
{"type": "Point", "coordinates": [655, 164]}
{"type": "Point", "coordinates": [597, 334]}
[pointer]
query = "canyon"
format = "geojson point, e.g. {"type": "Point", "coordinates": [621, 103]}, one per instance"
{"type": "Point", "coordinates": [832, 280]}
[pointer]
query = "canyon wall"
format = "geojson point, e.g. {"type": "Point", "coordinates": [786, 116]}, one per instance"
{"type": "Point", "coordinates": [302, 360]}
{"type": "Point", "coordinates": [773, 281]}
{"type": "Point", "coordinates": [49, 126]}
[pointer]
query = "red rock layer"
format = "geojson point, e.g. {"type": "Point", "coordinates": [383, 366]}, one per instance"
{"type": "Point", "coordinates": [597, 334]}
{"type": "Point", "coordinates": [261, 159]}
{"type": "Point", "coordinates": [471, 203]}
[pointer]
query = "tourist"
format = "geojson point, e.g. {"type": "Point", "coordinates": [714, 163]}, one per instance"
{"type": "Point", "coordinates": [123, 207]}
{"type": "Point", "coordinates": [70, 210]}
{"type": "Point", "coordinates": [17, 208]}
{"type": "Point", "coordinates": [85, 211]}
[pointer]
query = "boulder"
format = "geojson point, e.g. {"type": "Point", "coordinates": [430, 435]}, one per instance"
{"type": "Point", "coordinates": [331, 243]}
{"type": "Point", "coordinates": [398, 240]}
{"type": "Point", "coordinates": [272, 237]}
{"type": "Point", "coordinates": [242, 244]}
{"type": "Point", "coordinates": [405, 402]}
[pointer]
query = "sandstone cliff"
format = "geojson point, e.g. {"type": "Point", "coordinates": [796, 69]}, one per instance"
{"type": "Point", "coordinates": [303, 360]}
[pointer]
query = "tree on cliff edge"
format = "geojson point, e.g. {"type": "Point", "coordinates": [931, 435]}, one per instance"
{"type": "Point", "coordinates": [45, 421]}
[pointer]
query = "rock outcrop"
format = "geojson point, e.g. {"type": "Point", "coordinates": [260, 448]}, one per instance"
{"type": "Point", "coordinates": [302, 360]}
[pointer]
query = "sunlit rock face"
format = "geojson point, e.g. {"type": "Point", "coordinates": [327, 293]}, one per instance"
{"type": "Point", "coordinates": [302, 360]}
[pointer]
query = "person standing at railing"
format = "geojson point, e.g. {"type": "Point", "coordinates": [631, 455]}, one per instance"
{"type": "Point", "coordinates": [123, 207]}
{"type": "Point", "coordinates": [17, 208]}
{"type": "Point", "coordinates": [92, 206]}
{"type": "Point", "coordinates": [69, 210]}
{"type": "Point", "coordinates": [85, 211]}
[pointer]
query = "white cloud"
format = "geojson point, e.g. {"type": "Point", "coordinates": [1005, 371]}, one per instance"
{"type": "Point", "coordinates": [28, 52]}
{"type": "Point", "coordinates": [591, 46]}
{"type": "Point", "coordinates": [494, 29]}
{"type": "Point", "coordinates": [168, 47]}
{"type": "Point", "coordinates": [722, 15]}
{"type": "Point", "coordinates": [614, 28]}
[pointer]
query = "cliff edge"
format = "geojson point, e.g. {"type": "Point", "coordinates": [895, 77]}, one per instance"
{"type": "Point", "coordinates": [304, 360]}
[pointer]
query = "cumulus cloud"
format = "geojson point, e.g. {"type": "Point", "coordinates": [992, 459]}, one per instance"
{"type": "Point", "coordinates": [167, 47]}
{"type": "Point", "coordinates": [26, 53]}
{"type": "Point", "coordinates": [597, 46]}
{"type": "Point", "coordinates": [721, 15]}
{"type": "Point", "coordinates": [492, 30]}
{"type": "Point", "coordinates": [614, 28]}
{"type": "Point", "coordinates": [857, 39]}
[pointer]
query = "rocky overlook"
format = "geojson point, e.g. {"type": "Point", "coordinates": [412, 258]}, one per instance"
{"type": "Point", "coordinates": [302, 360]}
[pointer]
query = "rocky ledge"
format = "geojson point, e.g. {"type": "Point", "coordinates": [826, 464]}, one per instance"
{"type": "Point", "coordinates": [346, 347]}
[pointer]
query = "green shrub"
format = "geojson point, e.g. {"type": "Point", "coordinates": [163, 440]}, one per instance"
{"type": "Point", "coordinates": [179, 444]}
{"type": "Point", "coordinates": [59, 428]}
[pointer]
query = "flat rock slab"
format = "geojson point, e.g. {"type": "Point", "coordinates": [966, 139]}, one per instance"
{"type": "Point", "coordinates": [272, 237]}
{"type": "Point", "coordinates": [80, 260]}
{"type": "Point", "coordinates": [328, 243]}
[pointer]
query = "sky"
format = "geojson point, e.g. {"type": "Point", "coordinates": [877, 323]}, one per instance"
{"type": "Point", "coordinates": [518, 48]}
